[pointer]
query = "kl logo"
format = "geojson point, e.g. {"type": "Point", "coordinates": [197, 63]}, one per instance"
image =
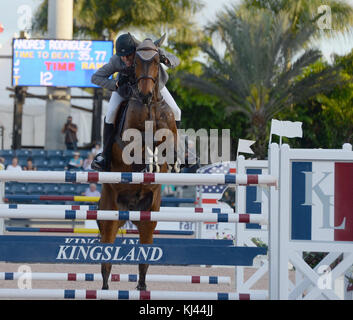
{"type": "Point", "coordinates": [324, 198]}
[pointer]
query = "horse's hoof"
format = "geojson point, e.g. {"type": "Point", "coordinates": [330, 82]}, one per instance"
{"type": "Point", "coordinates": [105, 288]}
{"type": "Point", "coordinates": [141, 287]}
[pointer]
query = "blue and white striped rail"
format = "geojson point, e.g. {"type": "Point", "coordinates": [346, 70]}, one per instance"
{"type": "Point", "coordinates": [128, 177]}
{"type": "Point", "coordinates": [115, 277]}
{"type": "Point", "coordinates": [131, 215]}
{"type": "Point", "coordinates": [126, 295]}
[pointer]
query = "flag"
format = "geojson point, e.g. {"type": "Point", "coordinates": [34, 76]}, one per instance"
{"type": "Point", "coordinates": [211, 194]}
{"type": "Point", "coordinates": [287, 129]}
{"type": "Point", "coordinates": [244, 146]}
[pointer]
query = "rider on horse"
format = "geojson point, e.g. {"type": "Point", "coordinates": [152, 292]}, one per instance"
{"type": "Point", "coordinates": [123, 63]}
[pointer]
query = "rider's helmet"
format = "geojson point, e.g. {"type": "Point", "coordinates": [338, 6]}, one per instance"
{"type": "Point", "coordinates": [125, 45]}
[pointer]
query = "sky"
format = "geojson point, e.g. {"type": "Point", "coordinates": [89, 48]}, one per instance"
{"type": "Point", "coordinates": [14, 14]}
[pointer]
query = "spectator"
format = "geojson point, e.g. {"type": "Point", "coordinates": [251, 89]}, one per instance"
{"type": "Point", "coordinates": [30, 166]}
{"type": "Point", "coordinates": [97, 149]}
{"type": "Point", "coordinates": [192, 162]}
{"type": "Point", "coordinates": [87, 162]}
{"type": "Point", "coordinates": [168, 190]}
{"type": "Point", "coordinates": [70, 131]}
{"type": "Point", "coordinates": [14, 166]}
{"type": "Point", "coordinates": [76, 162]}
{"type": "Point", "coordinates": [92, 191]}
{"type": "Point", "coordinates": [2, 163]}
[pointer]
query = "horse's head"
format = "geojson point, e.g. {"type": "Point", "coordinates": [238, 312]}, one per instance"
{"type": "Point", "coordinates": [147, 68]}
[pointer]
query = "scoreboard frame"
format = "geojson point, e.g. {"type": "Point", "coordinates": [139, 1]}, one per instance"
{"type": "Point", "coordinates": [76, 44]}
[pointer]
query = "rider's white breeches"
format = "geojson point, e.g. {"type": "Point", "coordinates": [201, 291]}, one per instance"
{"type": "Point", "coordinates": [116, 100]}
{"type": "Point", "coordinates": [113, 107]}
{"type": "Point", "coordinates": [171, 102]}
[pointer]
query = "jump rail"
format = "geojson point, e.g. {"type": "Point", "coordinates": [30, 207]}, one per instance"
{"type": "Point", "coordinates": [95, 231]}
{"type": "Point", "coordinates": [136, 178]}
{"type": "Point", "coordinates": [25, 197]}
{"type": "Point", "coordinates": [94, 207]}
{"type": "Point", "coordinates": [115, 277]}
{"type": "Point", "coordinates": [131, 215]}
{"type": "Point", "coordinates": [126, 295]}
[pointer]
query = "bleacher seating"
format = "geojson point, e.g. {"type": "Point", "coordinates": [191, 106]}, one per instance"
{"type": "Point", "coordinates": [44, 160]}
{"type": "Point", "coordinates": [51, 189]}
{"type": "Point", "coordinates": [67, 189]}
{"type": "Point", "coordinates": [54, 154]}
{"type": "Point", "coordinates": [35, 188]}
{"type": "Point", "coordinates": [57, 164]}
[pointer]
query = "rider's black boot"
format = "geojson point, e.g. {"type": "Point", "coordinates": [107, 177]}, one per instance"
{"type": "Point", "coordinates": [101, 162]}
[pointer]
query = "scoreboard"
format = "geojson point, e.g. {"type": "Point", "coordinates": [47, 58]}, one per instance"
{"type": "Point", "coordinates": [58, 63]}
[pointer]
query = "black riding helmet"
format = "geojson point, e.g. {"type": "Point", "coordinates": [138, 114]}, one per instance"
{"type": "Point", "coordinates": [125, 45]}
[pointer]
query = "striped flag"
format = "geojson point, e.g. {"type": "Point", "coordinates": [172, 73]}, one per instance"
{"type": "Point", "coordinates": [211, 194]}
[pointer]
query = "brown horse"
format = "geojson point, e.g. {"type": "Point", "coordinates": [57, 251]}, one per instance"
{"type": "Point", "coordinates": [146, 104]}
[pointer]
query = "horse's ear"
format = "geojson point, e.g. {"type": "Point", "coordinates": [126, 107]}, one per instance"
{"type": "Point", "coordinates": [160, 41]}
{"type": "Point", "coordinates": [137, 42]}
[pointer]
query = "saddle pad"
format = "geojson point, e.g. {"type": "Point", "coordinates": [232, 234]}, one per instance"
{"type": "Point", "coordinates": [120, 121]}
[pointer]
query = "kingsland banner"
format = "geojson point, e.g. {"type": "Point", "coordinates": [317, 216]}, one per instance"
{"type": "Point", "coordinates": [30, 250]}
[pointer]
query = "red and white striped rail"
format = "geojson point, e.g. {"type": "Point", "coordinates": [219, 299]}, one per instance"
{"type": "Point", "coordinates": [132, 215]}
{"type": "Point", "coordinates": [115, 277]}
{"type": "Point", "coordinates": [127, 177]}
{"type": "Point", "coordinates": [126, 295]}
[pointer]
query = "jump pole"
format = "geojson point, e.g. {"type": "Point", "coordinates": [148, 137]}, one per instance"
{"type": "Point", "coordinates": [50, 207]}
{"type": "Point", "coordinates": [136, 178]}
{"type": "Point", "coordinates": [126, 295]}
{"type": "Point", "coordinates": [95, 231]}
{"type": "Point", "coordinates": [114, 277]}
{"type": "Point", "coordinates": [131, 215]}
{"type": "Point", "coordinates": [25, 197]}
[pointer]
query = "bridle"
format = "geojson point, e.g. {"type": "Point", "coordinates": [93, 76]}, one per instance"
{"type": "Point", "coordinates": [143, 76]}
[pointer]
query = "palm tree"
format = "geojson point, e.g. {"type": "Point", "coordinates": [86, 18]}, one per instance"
{"type": "Point", "coordinates": [254, 75]}
{"type": "Point", "coordinates": [304, 12]}
{"type": "Point", "coordinates": [105, 18]}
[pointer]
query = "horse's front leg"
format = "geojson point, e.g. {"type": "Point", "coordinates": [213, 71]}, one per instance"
{"type": "Point", "coordinates": [108, 229]}
{"type": "Point", "coordinates": [146, 229]}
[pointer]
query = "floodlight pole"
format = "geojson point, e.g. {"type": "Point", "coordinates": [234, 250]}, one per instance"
{"type": "Point", "coordinates": [97, 116]}
{"type": "Point", "coordinates": [20, 96]}
{"type": "Point", "coordinates": [58, 106]}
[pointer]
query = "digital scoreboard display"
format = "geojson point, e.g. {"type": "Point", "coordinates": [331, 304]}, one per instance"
{"type": "Point", "coordinates": [58, 63]}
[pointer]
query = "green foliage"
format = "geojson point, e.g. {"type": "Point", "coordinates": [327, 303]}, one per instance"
{"type": "Point", "coordinates": [327, 118]}
{"type": "Point", "coordinates": [303, 13]}
{"type": "Point", "coordinates": [259, 243]}
{"type": "Point", "coordinates": [258, 76]}
{"type": "Point", "coordinates": [105, 18]}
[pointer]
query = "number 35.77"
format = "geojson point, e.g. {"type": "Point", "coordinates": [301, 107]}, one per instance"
{"type": "Point", "coordinates": [45, 78]}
